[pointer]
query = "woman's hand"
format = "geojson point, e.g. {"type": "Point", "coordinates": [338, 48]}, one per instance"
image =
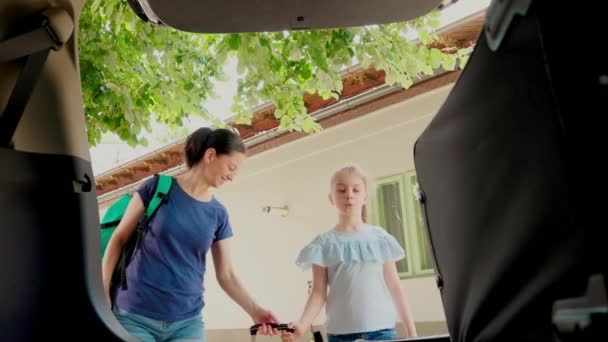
{"type": "Point", "coordinates": [231, 284]}
{"type": "Point", "coordinates": [108, 300]}
{"type": "Point", "coordinates": [263, 316]}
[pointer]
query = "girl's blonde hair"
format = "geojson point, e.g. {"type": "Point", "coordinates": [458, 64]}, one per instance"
{"type": "Point", "coordinates": [354, 169]}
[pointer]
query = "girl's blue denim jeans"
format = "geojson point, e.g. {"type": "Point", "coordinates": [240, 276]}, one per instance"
{"type": "Point", "coordinates": [379, 335]}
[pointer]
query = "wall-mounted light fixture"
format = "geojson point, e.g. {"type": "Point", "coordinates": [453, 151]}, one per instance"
{"type": "Point", "coordinates": [279, 211]}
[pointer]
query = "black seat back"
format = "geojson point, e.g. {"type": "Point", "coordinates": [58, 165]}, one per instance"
{"type": "Point", "coordinates": [512, 173]}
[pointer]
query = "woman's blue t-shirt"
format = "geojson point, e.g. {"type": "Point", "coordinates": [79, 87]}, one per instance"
{"type": "Point", "coordinates": [165, 276]}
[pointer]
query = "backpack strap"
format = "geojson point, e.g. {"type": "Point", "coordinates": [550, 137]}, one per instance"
{"type": "Point", "coordinates": [163, 185]}
{"type": "Point", "coordinates": [161, 191]}
{"type": "Point", "coordinates": [54, 30]}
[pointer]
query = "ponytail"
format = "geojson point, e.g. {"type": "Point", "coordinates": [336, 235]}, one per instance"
{"type": "Point", "coordinates": [222, 140]}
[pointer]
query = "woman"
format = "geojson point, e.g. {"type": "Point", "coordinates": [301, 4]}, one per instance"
{"type": "Point", "coordinates": [164, 298]}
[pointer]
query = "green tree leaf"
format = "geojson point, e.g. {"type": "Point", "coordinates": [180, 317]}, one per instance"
{"type": "Point", "coordinates": [133, 73]}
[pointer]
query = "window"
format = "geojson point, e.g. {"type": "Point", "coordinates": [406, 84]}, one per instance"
{"type": "Point", "coordinates": [398, 211]}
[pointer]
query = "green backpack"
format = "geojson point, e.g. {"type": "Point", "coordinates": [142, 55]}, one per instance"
{"type": "Point", "coordinates": [112, 218]}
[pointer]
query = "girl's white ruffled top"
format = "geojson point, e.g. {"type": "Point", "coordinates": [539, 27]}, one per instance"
{"type": "Point", "coordinates": [358, 299]}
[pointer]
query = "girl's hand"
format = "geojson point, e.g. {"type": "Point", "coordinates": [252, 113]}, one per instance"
{"type": "Point", "coordinates": [411, 331]}
{"type": "Point", "coordinates": [292, 337]}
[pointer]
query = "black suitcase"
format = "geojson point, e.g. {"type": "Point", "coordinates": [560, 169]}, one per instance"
{"type": "Point", "coordinates": [513, 189]}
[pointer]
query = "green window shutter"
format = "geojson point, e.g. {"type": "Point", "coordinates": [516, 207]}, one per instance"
{"type": "Point", "coordinates": [418, 235]}
{"type": "Point", "coordinates": [390, 215]}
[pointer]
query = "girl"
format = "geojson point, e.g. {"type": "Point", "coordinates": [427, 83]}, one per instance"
{"type": "Point", "coordinates": [164, 298]}
{"type": "Point", "coordinates": [356, 261]}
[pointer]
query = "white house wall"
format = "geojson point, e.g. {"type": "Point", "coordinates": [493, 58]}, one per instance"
{"type": "Point", "coordinates": [297, 174]}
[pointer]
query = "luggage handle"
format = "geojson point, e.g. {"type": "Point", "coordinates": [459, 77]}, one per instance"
{"type": "Point", "coordinates": [253, 330]}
